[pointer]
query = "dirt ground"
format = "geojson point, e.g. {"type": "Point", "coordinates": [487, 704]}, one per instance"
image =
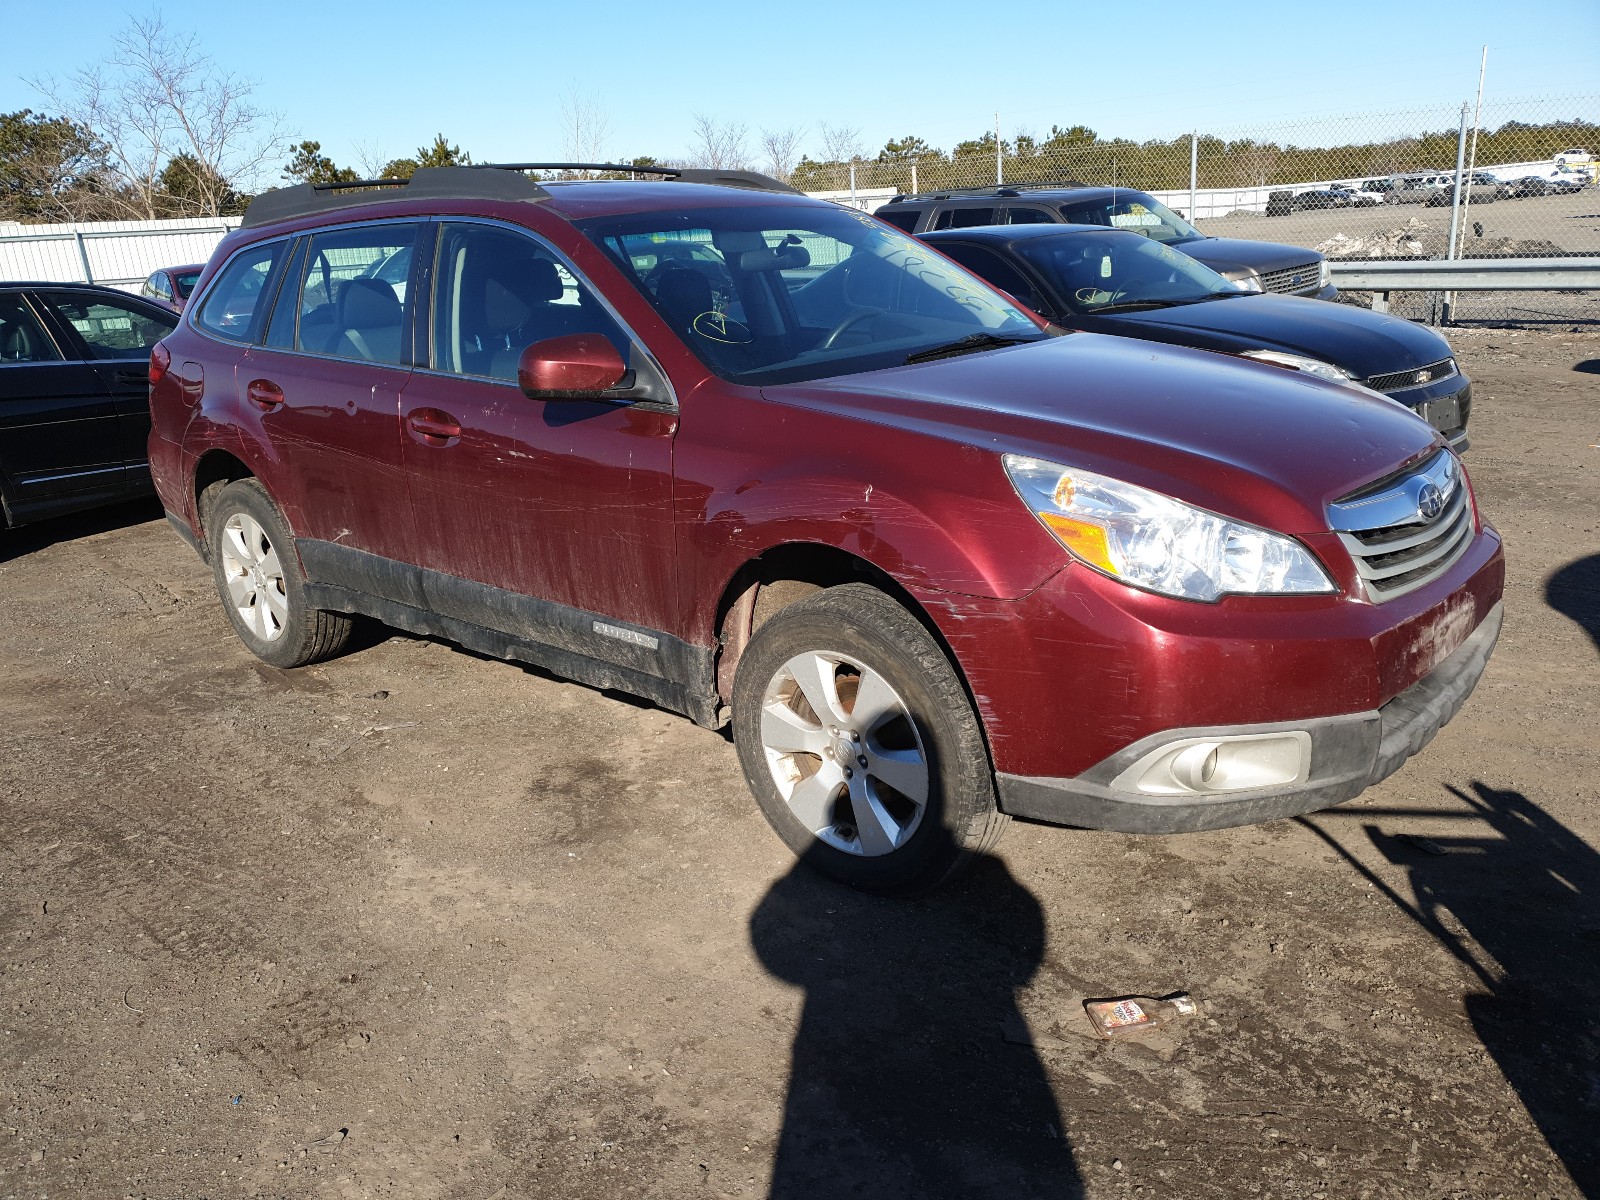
{"type": "Point", "coordinates": [414, 923]}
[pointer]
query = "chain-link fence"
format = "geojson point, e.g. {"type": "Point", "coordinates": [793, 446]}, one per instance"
{"type": "Point", "coordinates": [1516, 179]}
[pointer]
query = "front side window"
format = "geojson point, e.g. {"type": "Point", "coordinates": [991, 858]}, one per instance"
{"type": "Point", "coordinates": [498, 291]}
{"type": "Point", "coordinates": [233, 306]}
{"type": "Point", "coordinates": [1135, 212]}
{"type": "Point", "coordinates": [986, 262]}
{"type": "Point", "coordinates": [964, 218]}
{"type": "Point", "coordinates": [784, 293]}
{"type": "Point", "coordinates": [22, 339]}
{"type": "Point", "coordinates": [352, 295]}
{"type": "Point", "coordinates": [110, 329]}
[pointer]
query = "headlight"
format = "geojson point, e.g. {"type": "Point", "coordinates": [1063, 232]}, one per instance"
{"type": "Point", "coordinates": [1300, 362]}
{"type": "Point", "coordinates": [1324, 274]}
{"type": "Point", "coordinates": [1248, 284]}
{"type": "Point", "coordinates": [1151, 541]}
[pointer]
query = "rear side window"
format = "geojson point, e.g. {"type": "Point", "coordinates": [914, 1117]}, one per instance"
{"type": "Point", "coordinates": [964, 218]}
{"type": "Point", "coordinates": [110, 329]}
{"type": "Point", "coordinates": [233, 304]}
{"type": "Point", "coordinates": [354, 292]}
{"type": "Point", "coordinates": [900, 218]}
{"type": "Point", "coordinates": [1029, 216]}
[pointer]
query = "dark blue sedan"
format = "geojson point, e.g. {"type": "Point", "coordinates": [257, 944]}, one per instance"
{"type": "Point", "coordinates": [1113, 281]}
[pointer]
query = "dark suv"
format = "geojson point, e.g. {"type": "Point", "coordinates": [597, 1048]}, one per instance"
{"type": "Point", "coordinates": [1258, 266]}
{"type": "Point", "coordinates": [766, 460]}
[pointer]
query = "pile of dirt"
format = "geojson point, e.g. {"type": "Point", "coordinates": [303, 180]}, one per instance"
{"type": "Point", "coordinates": [1423, 239]}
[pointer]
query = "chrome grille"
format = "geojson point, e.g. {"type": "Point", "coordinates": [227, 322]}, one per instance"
{"type": "Point", "coordinates": [1303, 278]}
{"type": "Point", "coordinates": [1394, 381]}
{"type": "Point", "coordinates": [1388, 530]}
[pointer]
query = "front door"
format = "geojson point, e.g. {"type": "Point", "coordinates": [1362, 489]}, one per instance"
{"type": "Point", "coordinates": [568, 502]}
{"type": "Point", "coordinates": [59, 437]}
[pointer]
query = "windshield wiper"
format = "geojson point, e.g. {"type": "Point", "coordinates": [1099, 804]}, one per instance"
{"type": "Point", "coordinates": [966, 345]}
{"type": "Point", "coordinates": [1134, 306]}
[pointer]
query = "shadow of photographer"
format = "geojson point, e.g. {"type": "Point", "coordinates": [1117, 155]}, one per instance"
{"type": "Point", "coordinates": [1574, 591]}
{"type": "Point", "coordinates": [1515, 897]}
{"type": "Point", "coordinates": [900, 1085]}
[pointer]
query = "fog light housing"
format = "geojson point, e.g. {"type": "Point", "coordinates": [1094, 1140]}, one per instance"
{"type": "Point", "coordinates": [1222, 765]}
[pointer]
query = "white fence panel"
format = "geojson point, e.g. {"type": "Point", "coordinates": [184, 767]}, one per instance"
{"type": "Point", "coordinates": [116, 253]}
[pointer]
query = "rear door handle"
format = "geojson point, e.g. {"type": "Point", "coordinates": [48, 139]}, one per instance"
{"type": "Point", "coordinates": [264, 393]}
{"type": "Point", "coordinates": [434, 428]}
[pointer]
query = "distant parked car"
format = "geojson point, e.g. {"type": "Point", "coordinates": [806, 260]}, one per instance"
{"type": "Point", "coordinates": [74, 397]}
{"type": "Point", "coordinates": [1574, 156]}
{"type": "Point", "coordinates": [1256, 266]}
{"type": "Point", "coordinates": [171, 286]}
{"type": "Point", "coordinates": [1555, 183]}
{"type": "Point", "coordinates": [1107, 281]}
{"type": "Point", "coordinates": [1417, 187]}
{"type": "Point", "coordinates": [1481, 188]}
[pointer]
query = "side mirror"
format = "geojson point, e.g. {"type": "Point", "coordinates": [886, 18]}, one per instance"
{"type": "Point", "coordinates": [573, 367]}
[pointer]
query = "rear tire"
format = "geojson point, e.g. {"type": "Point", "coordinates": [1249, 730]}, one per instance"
{"type": "Point", "coordinates": [258, 576]}
{"type": "Point", "coordinates": [894, 798]}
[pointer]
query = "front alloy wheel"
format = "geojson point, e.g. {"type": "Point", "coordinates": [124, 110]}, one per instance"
{"type": "Point", "coordinates": [845, 753]}
{"type": "Point", "coordinates": [860, 743]}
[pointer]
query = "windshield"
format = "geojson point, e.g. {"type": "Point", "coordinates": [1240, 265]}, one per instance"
{"type": "Point", "coordinates": [185, 283]}
{"type": "Point", "coordinates": [1095, 271]}
{"type": "Point", "coordinates": [1135, 212]}
{"type": "Point", "coordinates": [783, 294]}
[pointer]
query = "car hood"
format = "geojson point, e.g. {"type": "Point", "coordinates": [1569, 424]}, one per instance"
{"type": "Point", "coordinates": [1362, 342]}
{"type": "Point", "coordinates": [1235, 256]}
{"type": "Point", "coordinates": [1251, 441]}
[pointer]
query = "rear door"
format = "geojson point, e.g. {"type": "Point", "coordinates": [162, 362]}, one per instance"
{"type": "Point", "coordinates": [325, 389]}
{"type": "Point", "coordinates": [60, 443]}
{"type": "Point", "coordinates": [116, 334]}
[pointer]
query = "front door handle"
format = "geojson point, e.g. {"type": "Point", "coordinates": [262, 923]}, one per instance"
{"type": "Point", "coordinates": [265, 394]}
{"type": "Point", "coordinates": [433, 427]}
{"type": "Point", "coordinates": [132, 375]}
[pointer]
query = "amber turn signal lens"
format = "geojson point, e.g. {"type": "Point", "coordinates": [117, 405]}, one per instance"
{"type": "Point", "coordinates": [1087, 541]}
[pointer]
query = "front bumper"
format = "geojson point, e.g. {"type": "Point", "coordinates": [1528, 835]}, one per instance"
{"type": "Point", "coordinates": [1347, 755]}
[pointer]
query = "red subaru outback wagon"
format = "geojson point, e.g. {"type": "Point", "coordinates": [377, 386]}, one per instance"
{"type": "Point", "coordinates": [765, 460]}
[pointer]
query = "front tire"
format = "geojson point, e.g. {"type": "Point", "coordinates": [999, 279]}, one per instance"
{"type": "Point", "coordinates": [860, 744]}
{"type": "Point", "coordinates": [257, 574]}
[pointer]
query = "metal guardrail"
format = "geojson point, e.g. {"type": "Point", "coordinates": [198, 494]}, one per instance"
{"type": "Point", "coordinates": [1465, 274]}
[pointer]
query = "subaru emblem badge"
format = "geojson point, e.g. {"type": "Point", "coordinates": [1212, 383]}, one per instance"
{"type": "Point", "coordinates": [1430, 501]}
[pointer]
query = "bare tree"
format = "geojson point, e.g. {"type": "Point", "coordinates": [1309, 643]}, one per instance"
{"type": "Point", "coordinates": [585, 126]}
{"type": "Point", "coordinates": [370, 160]}
{"type": "Point", "coordinates": [719, 145]}
{"type": "Point", "coordinates": [158, 97]}
{"type": "Point", "coordinates": [841, 143]}
{"type": "Point", "coordinates": [781, 146]}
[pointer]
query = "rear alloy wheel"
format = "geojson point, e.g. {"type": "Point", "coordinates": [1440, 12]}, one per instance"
{"type": "Point", "coordinates": [860, 744]}
{"type": "Point", "coordinates": [258, 577]}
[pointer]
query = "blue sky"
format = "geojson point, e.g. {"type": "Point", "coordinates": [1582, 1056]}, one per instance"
{"type": "Point", "coordinates": [491, 74]}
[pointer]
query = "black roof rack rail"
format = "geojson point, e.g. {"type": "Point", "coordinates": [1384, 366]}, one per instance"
{"type": "Point", "coordinates": [753, 180]}
{"type": "Point", "coordinates": [473, 181]}
{"type": "Point", "coordinates": [460, 183]}
{"type": "Point", "coordinates": [992, 189]}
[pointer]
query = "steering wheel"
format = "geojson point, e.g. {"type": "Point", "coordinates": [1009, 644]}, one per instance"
{"type": "Point", "coordinates": [1086, 297]}
{"type": "Point", "coordinates": [854, 317]}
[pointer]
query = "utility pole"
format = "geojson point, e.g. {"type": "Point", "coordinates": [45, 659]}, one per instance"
{"type": "Point", "coordinates": [1194, 168]}
{"type": "Point", "coordinates": [1472, 154]}
{"type": "Point", "coordinates": [1455, 204]}
{"type": "Point", "coordinates": [999, 155]}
